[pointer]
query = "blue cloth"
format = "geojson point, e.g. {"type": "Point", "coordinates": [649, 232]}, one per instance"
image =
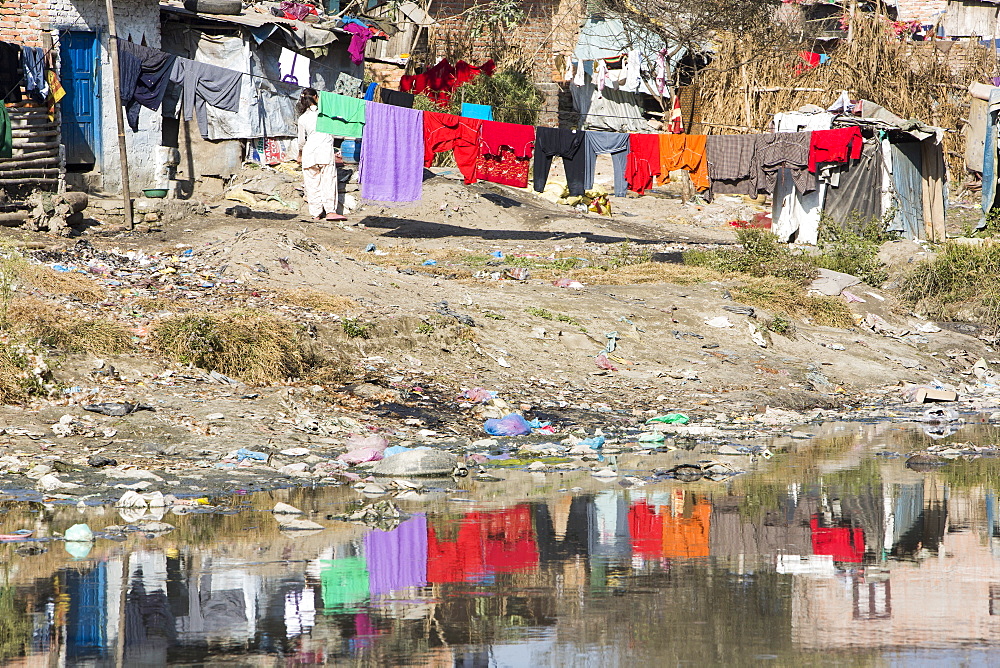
{"type": "Point", "coordinates": [906, 163]}
{"type": "Point", "coordinates": [598, 143]}
{"type": "Point", "coordinates": [990, 155]}
{"type": "Point", "coordinates": [483, 111]}
{"type": "Point", "coordinates": [370, 91]}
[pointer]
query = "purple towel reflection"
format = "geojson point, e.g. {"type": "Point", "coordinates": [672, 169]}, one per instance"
{"type": "Point", "coordinates": [397, 559]}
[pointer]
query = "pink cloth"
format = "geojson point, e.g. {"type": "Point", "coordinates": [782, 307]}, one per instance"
{"type": "Point", "coordinates": [361, 37]}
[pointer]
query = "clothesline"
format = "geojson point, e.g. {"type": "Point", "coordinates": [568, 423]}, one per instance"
{"type": "Point", "coordinates": [20, 81]}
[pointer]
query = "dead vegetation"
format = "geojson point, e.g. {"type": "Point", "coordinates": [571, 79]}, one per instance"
{"type": "Point", "coordinates": [52, 325]}
{"type": "Point", "coordinates": [51, 282]}
{"type": "Point", "coordinates": [315, 300]}
{"type": "Point", "coordinates": [254, 346]}
{"type": "Point", "coordinates": [784, 297]}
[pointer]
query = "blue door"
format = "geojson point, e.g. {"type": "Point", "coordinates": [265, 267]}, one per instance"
{"type": "Point", "coordinates": [81, 108]}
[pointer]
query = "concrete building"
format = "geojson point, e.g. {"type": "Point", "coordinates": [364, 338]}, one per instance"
{"type": "Point", "coordinates": [77, 33]}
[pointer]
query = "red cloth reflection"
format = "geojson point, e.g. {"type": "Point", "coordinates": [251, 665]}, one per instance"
{"type": "Point", "coordinates": [646, 529]}
{"type": "Point", "coordinates": [845, 544]}
{"type": "Point", "coordinates": [488, 542]}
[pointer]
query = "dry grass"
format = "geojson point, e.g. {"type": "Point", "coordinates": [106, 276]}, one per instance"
{"type": "Point", "coordinates": [781, 296]}
{"type": "Point", "coordinates": [52, 282]}
{"type": "Point", "coordinates": [644, 272]}
{"type": "Point", "coordinates": [252, 345]}
{"type": "Point", "coordinates": [33, 319]}
{"type": "Point", "coordinates": [315, 300]}
{"type": "Point", "coordinates": [14, 379]}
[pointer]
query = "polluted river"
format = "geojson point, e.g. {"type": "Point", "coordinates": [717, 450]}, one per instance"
{"type": "Point", "coordinates": [839, 543]}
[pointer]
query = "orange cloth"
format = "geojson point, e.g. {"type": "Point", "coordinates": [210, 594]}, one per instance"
{"type": "Point", "coordinates": [686, 535]}
{"type": "Point", "coordinates": [684, 152]}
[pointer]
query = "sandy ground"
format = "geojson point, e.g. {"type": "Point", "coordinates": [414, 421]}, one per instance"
{"type": "Point", "coordinates": [533, 343]}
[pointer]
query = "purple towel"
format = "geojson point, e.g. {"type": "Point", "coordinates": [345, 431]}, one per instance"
{"type": "Point", "coordinates": [397, 559]}
{"type": "Point", "coordinates": [392, 154]}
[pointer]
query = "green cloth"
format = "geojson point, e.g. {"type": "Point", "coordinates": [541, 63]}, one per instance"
{"type": "Point", "coordinates": [669, 418]}
{"type": "Point", "coordinates": [340, 115]}
{"type": "Point", "coordinates": [6, 133]}
{"type": "Point", "coordinates": [344, 583]}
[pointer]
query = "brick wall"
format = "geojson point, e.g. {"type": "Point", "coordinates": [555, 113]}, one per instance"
{"type": "Point", "coordinates": [925, 11]}
{"type": "Point", "coordinates": [26, 21]}
{"type": "Point", "coordinates": [551, 27]}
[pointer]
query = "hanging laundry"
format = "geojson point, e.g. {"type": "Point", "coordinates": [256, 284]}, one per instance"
{"type": "Point", "coordinates": [200, 85]}
{"type": "Point", "coordinates": [730, 164]}
{"type": "Point", "coordinates": [633, 72]}
{"type": "Point", "coordinates": [347, 85]}
{"type": "Point", "coordinates": [643, 161]}
{"type": "Point", "coordinates": [839, 146]}
{"type": "Point", "coordinates": [146, 84]}
{"type": "Point", "coordinates": [294, 68]}
{"type": "Point", "coordinates": [440, 81]}
{"type": "Point", "coordinates": [370, 92]}
{"type": "Point", "coordinates": [10, 72]}
{"type": "Point", "coordinates": [56, 92]}
{"type": "Point", "coordinates": [580, 78]}
{"type": "Point", "coordinates": [33, 61]}
{"type": "Point", "coordinates": [675, 124]}
{"type": "Point", "coordinates": [599, 143]}
{"type": "Point", "coordinates": [340, 115]}
{"type": "Point", "coordinates": [601, 78]}
{"type": "Point", "coordinates": [361, 35]}
{"type": "Point", "coordinates": [6, 133]}
{"type": "Point", "coordinates": [446, 132]}
{"type": "Point", "coordinates": [396, 98]}
{"type": "Point", "coordinates": [481, 111]}
{"type": "Point", "coordinates": [568, 144]}
{"type": "Point", "coordinates": [392, 154]}
{"type": "Point", "coordinates": [685, 152]}
{"type": "Point", "coordinates": [810, 60]}
{"type": "Point", "coordinates": [783, 150]}
{"type": "Point", "coordinates": [504, 153]}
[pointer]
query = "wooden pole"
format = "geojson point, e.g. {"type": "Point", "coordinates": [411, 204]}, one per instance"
{"type": "Point", "coordinates": [116, 74]}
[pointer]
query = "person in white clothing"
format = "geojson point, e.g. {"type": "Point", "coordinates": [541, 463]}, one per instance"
{"type": "Point", "coordinates": [317, 156]}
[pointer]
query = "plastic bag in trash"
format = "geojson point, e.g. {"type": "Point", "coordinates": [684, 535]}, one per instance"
{"type": "Point", "coordinates": [356, 441]}
{"type": "Point", "coordinates": [669, 418]}
{"type": "Point", "coordinates": [510, 425]}
{"type": "Point", "coordinates": [361, 455]}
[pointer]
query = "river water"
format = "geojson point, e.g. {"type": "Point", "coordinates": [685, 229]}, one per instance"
{"type": "Point", "coordinates": [832, 553]}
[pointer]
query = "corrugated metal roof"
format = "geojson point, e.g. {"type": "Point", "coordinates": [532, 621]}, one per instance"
{"type": "Point", "coordinates": [250, 20]}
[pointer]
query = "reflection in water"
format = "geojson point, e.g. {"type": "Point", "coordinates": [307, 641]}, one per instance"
{"type": "Point", "coordinates": [648, 576]}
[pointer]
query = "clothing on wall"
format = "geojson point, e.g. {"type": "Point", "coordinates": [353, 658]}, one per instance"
{"type": "Point", "coordinates": [783, 150]}
{"type": "Point", "coordinates": [795, 216]}
{"type": "Point", "coordinates": [836, 146]}
{"type": "Point", "coordinates": [33, 61]}
{"type": "Point", "coordinates": [396, 98]}
{"type": "Point", "coordinates": [446, 132]}
{"type": "Point", "coordinates": [687, 152]}
{"type": "Point", "coordinates": [392, 154]}
{"type": "Point", "coordinates": [145, 75]}
{"type": "Point", "coordinates": [6, 133]}
{"type": "Point", "coordinates": [481, 111]}
{"type": "Point", "coordinates": [552, 142]}
{"type": "Point", "coordinates": [294, 68]}
{"type": "Point", "coordinates": [361, 35]}
{"type": "Point", "coordinates": [599, 143]}
{"type": "Point", "coordinates": [200, 85]}
{"type": "Point", "coordinates": [643, 161]}
{"type": "Point", "coordinates": [504, 153]}
{"type": "Point", "coordinates": [341, 115]}
{"type": "Point", "coordinates": [730, 164]}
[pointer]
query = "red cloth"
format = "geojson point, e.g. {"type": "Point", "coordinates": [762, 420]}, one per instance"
{"type": "Point", "coordinates": [838, 145]}
{"type": "Point", "coordinates": [643, 161]}
{"type": "Point", "coordinates": [504, 153]}
{"type": "Point", "coordinates": [446, 132]}
{"type": "Point", "coordinates": [440, 81]}
{"type": "Point", "coordinates": [844, 544]}
{"type": "Point", "coordinates": [488, 542]}
{"type": "Point", "coordinates": [811, 60]}
{"type": "Point", "coordinates": [646, 529]}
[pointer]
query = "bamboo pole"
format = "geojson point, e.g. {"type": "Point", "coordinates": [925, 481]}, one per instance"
{"type": "Point", "coordinates": [119, 117]}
